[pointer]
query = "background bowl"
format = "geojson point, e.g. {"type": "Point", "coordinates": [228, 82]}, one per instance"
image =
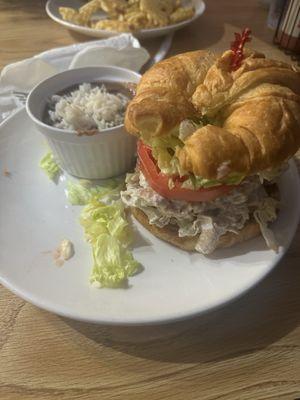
{"type": "Point", "coordinates": [108, 153]}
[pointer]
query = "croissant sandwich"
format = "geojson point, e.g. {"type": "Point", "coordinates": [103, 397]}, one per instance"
{"type": "Point", "coordinates": [214, 135]}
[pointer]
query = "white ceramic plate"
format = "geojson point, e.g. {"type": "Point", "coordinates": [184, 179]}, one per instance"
{"type": "Point", "coordinates": [52, 10]}
{"type": "Point", "coordinates": [35, 217]}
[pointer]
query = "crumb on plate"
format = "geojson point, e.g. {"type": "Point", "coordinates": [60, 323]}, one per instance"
{"type": "Point", "coordinates": [63, 252]}
{"type": "Point", "coordinates": [6, 173]}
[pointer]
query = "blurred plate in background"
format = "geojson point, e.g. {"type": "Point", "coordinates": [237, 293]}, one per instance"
{"type": "Point", "coordinates": [52, 7]}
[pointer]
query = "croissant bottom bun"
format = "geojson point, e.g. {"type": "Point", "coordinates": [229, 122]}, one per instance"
{"type": "Point", "coordinates": [169, 233]}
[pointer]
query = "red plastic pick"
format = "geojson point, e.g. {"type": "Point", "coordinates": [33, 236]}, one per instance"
{"type": "Point", "coordinates": [237, 47]}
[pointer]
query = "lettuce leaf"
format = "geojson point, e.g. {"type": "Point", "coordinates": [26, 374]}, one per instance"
{"type": "Point", "coordinates": [106, 229]}
{"type": "Point", "coordinates": [164, 147]}
{"type": "Point", "coordinates": [81, 193]}
{"type": "Point", "coordinates": [97, 218]}
{"type": "Point", "coordinates": [196, 182]}
{"type": "Point", "coordinates": [109, 234]}
{"type": "Point", "coordinates": [163, 150]}
{"type": "Point", "coordinates": [113, 263]}
{"type": "Point", "coordinates": [233, 179]}
{"type": "Point", "coordinates": [49, 166]}
{"type": "Point", "coordinates": [105, 226]}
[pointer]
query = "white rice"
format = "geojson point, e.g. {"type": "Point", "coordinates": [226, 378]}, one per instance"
{"type": "Point", "coordinates": [88, 108]}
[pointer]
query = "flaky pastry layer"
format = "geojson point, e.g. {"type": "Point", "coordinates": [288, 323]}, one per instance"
{"type": "Point", "coordinates": [255, 110]}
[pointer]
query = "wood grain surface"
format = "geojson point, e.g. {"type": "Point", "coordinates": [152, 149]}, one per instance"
{"type": "Point", "coordinates": [249, 350]}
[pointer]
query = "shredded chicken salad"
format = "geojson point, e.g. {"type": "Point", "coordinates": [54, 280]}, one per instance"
{"type": "Point", "coordinates": [210, 220]}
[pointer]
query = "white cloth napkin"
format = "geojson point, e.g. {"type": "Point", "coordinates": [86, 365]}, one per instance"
{"type": "Point", "coordinates": [123, 51]}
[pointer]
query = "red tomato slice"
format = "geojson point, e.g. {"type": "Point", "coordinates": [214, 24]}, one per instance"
{"type": "Point", "coordinates": [159, 181]}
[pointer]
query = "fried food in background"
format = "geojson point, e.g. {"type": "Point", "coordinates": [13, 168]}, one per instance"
{"type": "Point", "coordinates": [128, 15]}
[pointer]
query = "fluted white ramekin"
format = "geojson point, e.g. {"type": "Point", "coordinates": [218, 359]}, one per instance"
{"type": "Point", "coordinates": [108, 153]}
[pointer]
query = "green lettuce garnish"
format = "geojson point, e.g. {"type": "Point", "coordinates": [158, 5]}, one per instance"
{"type": "Point", "coordinates": [163, 150]}
{"type": "Point", "coordinates": [105, 226]}
{"type": "Point", "coordinates": [194, 182]}
{"type": "Point", "coordinates": [164, 147]}
{"type": "Point", "coordinates": [106, 229]}
{"type": "Point", "coordinates": [109, 234]}
{"type": "Point", "coordinates": [49, 166]}
{"type": "Point", "coordinates": [81, 193]}
{"type": "Point", "coordinates": [233, 179]}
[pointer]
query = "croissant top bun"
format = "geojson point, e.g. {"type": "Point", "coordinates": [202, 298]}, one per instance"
{"type": "Point", "coordinates": [254, 111]}
{"type": "Point", "coordinates": [163, 96]}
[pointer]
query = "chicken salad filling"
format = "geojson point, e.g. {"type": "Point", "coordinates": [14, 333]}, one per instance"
{"type": "Point", "coordinates": [209, 220]}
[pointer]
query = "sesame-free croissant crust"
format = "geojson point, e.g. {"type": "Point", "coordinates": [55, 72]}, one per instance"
{"type": "Point", "coordinates": [254, 112]}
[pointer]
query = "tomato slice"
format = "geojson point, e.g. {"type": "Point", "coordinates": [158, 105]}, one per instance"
{"type": "Point", "coordinates": [159, 181]}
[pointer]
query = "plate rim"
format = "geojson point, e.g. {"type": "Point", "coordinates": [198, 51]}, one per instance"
{"type": "Point", "coordinates": [106, 33]}
{"type": "Point", "coordinates": [153, 321]}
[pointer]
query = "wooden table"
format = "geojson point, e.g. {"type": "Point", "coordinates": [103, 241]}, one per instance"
{"type": "Point", "coordinates": [247, 351]}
